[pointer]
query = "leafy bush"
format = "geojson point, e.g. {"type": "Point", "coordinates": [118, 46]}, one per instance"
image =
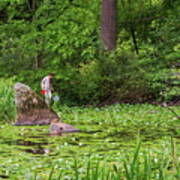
{"type": "Point", "coordinates": [7, 107]}
{"type": "Point", "coordinates": [122, 78]}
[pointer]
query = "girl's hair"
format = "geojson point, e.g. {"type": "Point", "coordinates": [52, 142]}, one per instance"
{"type": "Point", "coordinates": [51, 74]}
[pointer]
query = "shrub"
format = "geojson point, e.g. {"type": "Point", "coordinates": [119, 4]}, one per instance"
{"type": "Point", "coordinates": [7, 107]}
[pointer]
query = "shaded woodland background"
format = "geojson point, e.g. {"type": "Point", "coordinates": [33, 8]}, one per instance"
{"type": "Point", "coordinates": [64, 37]}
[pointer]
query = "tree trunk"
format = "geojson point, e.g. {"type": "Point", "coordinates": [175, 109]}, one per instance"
{"type": "Point", "coordinates": [31, 4]}
{"type": "Point", "coordinates": [108, 24]}
{"type": "Point", "coordinates": [134, 40]}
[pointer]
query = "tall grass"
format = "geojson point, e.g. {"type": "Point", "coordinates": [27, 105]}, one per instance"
{"type": "Point", "coordinates": [7, 107]}
{"type": "Point", "coordinates": [137, 166]}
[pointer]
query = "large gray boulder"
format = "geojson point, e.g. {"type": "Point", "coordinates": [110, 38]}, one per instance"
{"type": "Point", "coordinates": [31, 108]}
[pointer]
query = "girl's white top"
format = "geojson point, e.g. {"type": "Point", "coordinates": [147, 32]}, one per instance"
{"type": "Point", "coordinates": [46, 84]}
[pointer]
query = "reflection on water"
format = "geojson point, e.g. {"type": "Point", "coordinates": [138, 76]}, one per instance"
{"type": "Point", "coordinates": [37, 146]}
{"type": "Point", "coordinates": [43, 140]}
{"type": "Point", "coordinates": [99, 141]}
{"type": "Point", "coordinates": [4, 176]}
{"type": "Point", "coordinates": [39, 150]}
{"type": "Point", "coordinates": [21, 142]}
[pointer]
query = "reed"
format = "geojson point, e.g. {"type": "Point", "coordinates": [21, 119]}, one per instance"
{"type": "Point", "coordinates": [136, 166]}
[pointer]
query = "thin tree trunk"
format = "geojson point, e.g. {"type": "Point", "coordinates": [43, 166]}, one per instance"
{"type": "Point", "coordinates": [31, 4]}
{"type": "Point", "coordinates": [134, 40]}
{"type": "Point", "coordinates": [108, 24]}
{"type": "Point", "coordinates": [38, 61]}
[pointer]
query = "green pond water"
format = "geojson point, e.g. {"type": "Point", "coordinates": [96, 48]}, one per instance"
{"type": "Point", "coordinates": [108, 134]}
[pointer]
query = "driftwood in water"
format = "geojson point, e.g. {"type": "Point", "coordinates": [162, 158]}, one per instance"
{"type": "Point", "coordinates": [31, 108]}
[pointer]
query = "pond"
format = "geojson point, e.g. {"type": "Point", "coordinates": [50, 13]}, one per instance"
{"type": "Point", "coordinates": [108, 136]}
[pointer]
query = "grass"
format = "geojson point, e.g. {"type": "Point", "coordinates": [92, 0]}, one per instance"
{"type": "Point", "coordinates": [136, 167]}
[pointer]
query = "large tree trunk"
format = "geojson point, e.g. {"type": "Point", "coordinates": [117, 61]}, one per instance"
{"type": "Point", "coordinates": [108, 24]}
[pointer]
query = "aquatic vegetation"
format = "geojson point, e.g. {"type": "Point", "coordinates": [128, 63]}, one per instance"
{"type": "Point", "coordinates": [107, 147]}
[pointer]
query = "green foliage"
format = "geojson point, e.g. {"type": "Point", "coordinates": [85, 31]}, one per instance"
{"type": "Point", "coordinates": [38, 37]}
{"type": "Point", "coordinates": [122, 77]}
{"type": "Point", "coordinates": [56, 33]}
{"type": "Point", "coordinates": [141, 168]}
{"type": "Point", "coordinates": [7, 107]}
